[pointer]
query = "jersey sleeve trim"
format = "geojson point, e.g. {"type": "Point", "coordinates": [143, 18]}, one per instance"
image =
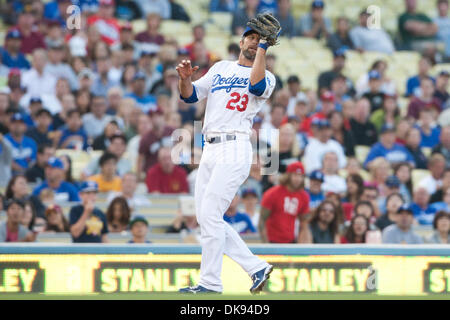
{"type": "Point", "coordinates": [193, 98]}
{"type": "Point", "coordinates": [259, 88]}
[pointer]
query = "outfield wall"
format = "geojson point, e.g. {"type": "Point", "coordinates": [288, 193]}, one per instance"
{"type": "Point", "coordinates": [112, 268]}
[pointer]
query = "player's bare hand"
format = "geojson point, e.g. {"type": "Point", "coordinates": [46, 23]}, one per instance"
{"type": "Point", "coordinates": [185, 70]}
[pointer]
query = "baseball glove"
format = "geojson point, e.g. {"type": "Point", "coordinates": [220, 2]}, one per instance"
{"type": "Point", "coordinates": [267, 26]}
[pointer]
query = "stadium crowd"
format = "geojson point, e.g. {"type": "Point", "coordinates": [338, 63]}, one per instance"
{"type": "Point", "coordinates": [347, 155]}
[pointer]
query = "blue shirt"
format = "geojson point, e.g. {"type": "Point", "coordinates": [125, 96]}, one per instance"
{"type": "Point", "coordinates": [51, 12]}
{"type": "Point", "coordinates": [65, 192]}
{"type": "Point", "coordinates": [423, 216]}
{"type": "Point", "coordinates": [397, 153]}
{"type": "Point", "coordinates": [15, 62]}
{"type": "Point", "coordinates": [440, 206]}
{"type": "Point", "coordinates": [145, 103]}
{"type": "Point", "coordinates": [412, 84]}
{"type": "Point", "coordinates": [96, 224]}
{"type": "Point", "coordinates": [23, 152]}
{"type": "Point", "coordinates": [315, 199]}
{"type": "Point", "coordinates": [74, 136]}
{"type": "Point", "coordinates": [240, 222]}
{"type": "Point", "coordinates": [431, 140]}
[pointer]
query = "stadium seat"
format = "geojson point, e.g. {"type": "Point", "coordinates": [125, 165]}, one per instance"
{"type": "Point", "coordinates": [426, 151]}
{"type": "Point", "coordinates": [361, 153]}
{"type": "Point", "coordinates": [418, 174]}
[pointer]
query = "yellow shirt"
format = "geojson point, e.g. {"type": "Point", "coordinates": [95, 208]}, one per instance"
{"type": "Point", "coordinates": [106, 186]}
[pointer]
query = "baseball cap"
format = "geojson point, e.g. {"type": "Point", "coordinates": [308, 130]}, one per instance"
{"type": "Point", "coordinates": [327, 96]}
{"type": "Point", "coordinates": [248, 191]}
{"type": "Point", "coordinates": [317, 175]}
{"type": "Point", "coordinates": [405, 207]}
{"type": "Point", "coordinates": [296, 167]}
{"type": "Point", "coordinates": [387, 127]}
{"type": "Point", "coordinates": [35, 100]}
{"type": "Point", "coordinates": [374, 75]}
{"type": "Point", "coordinates": [317, 4]}
{"type": "Point", "coordinates": [17, 117]}
{"type": "Point", "coordinates": [247, 31]}
{"type": "Point", "coordinates": [393, 182]}
{"type": "Point", "coordinates": [364, 12]}
{"type": "Point", "coordinates": [55, 162]}
{"type": "Point", "coordinates": [13, 34]}
{"type": "Point", "coordinates": [43, 110]}
{"type": "Point", "coordinates": [339, 53]}
{"type": "Point", "coordinates": [89, 186]}
{"type": "Point", "coordinates": [139, 76]}
{"type": "Point", "coordinates": [444, 73]}
{"type": "Point", "coordinates": [138, 218]}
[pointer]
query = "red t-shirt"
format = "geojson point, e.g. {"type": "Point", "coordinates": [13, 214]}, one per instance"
{"type": "Point", "coordinates": [158, 180]}
{"type": "Point", "coordinates": [109, 29]}
{"type": "Point", "coordinates": [12, 236]}
{"type": "Point", "coordinates": [285, 206]}
{"type": "Point", "coordinates": [306, 124]}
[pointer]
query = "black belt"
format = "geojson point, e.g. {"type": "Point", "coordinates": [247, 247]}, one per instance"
{"type": "Point", "coordinates": [219, 139]}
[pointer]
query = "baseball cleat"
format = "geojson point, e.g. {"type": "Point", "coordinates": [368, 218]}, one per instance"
{"type": "Point", "coordinates": [197, 289]}
{"type": "Point", "coordinates": [260, 278]}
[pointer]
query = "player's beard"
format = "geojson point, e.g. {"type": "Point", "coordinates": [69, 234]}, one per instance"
{"type": "Point", "coordinates": [248, 55]}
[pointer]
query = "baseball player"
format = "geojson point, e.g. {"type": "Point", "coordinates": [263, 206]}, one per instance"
{"type": "Point", "coordinates": [235, 91]}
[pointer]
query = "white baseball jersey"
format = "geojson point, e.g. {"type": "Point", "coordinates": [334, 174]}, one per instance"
{"type": "Point", "coordinates": [230, 107]}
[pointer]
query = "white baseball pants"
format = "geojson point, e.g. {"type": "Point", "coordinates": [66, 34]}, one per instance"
{"type": "Point", "coordinates": [223, 168]}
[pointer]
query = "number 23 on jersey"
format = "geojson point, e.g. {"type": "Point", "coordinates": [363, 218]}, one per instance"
{"type": "Point", "coordinates": [237, 102]}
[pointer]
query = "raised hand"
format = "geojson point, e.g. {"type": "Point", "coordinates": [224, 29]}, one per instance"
{"type": "Point", "coordinates": [185, 70]}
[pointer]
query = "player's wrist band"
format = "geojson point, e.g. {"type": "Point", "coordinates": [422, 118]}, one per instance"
{"type": "Point", "coordinates": [263, 45]}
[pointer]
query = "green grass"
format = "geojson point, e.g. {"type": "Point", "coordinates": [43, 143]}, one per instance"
{"type": "Point", "coordinates": [175, 296]}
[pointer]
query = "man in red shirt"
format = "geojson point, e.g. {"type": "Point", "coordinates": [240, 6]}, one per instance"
{"type": "Point", "coordinates": [31, 38]}
{"type": "Point", "coordinates": [104, 20]}
{"type": "Point", "coordinates": [282, 205]}
{"type": "Point", "coordinates": [165, 176]}
{"type": "Point", "coordinates": [151, 35]}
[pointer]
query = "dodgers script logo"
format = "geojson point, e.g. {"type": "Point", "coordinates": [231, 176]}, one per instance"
{"type": "Point", "coordinates": [229, 83]}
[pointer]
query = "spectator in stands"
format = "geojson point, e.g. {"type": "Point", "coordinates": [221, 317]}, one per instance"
{"type": "Point", "coordinates": [420, 207]}
{"type": "Point", "coordinates": [388, 86]}
{"type": "Point", "coordinates": [185, 222]}
{"type": "Point", "coordinates": [364, 132]}
{"type": "Point", "coordinates": [287, 149]}
{"type": "Point", "coordinates": [391, 186]}
{"type": "Point", "coordinates": [436, 166]}
{"type": "Point", "coordinates": [55, 180]}
{"type": "Point", "coordinates": [393, 202]}
{"type": "Point", "coordinates": [56, 221]}
{"type": "Point", "coordinates": [366, 209]}
{"type": "Point", "coordinates": [367, 38]}
{"type": "Point", "coordinates": [416, 29]}
{"type": "Point", "coordinates": [341, 134]}
{"type": "Point", "coordinates": [128, 191]}
{"type": "Point", "coordinates": [444, 146]}
{"type": "Point", "coordinates": [144, 101]}
{"type": "Point", "coordinates": [94, 122]}
{"type": "Point", "coordinates": [102, 81]}
{"type": "Point", "coordinates": [444, 204]}
{"type": "Point", "coordinates": [117, 146]}
{"type": "Point", "coordinates": [165, 176]}
{"type": "Point", "coordinates": [12, 230]}
{"type": "Point", "coordinates": [441, 226]}
{"type": "Point", "coordinates": [282, 205]}
{"type": "Point", "coordinates": [107, 180]}
{"type": "Point", "coordinates": [321, 144]}
{"type": "Point", "coordinates": [38, 81]}
{"type": "Point", "coordinates": [118, 215]}
{"type": "Point", "coordinates": [425, 100]}
{"type": "Point", "coordinates": [316, 195]}
{"type": "Point", "coordinates": [29, 218]}
{"type": "Point", "coordinates": [332, 181]}
{"type": "Point", "coordinates": [18, 189]}
{"type": "Point", "coordinates": [151, 34]}
{"type": "Point", "coordinates": [355, 186]}
{"type": "Point", "coordinates": [159, 7]}
{"type": "Point", "coordinates": [103, 140]}
{"type": "Point", "coordinates": [429, 131]}
{"type": "Point", "coordinates": [356, 232]}
{"type": "Point", "coordinates": [323, 227]}
{"type": "Point", "coordinates": [388, 148]}
{"type": "Point", "coordinates": [438, 196]}
{"type": "Point", "coordinates": [73, 134]}
{"type": "Point", "coordinates": [40, 132]}
{"type": "Point", "coordinates": [139, 230]}
{"type": "Point", "coordinates": [269, 129]}
{"type": "Point", "coordinates": [36, 174]}
{"type": "Point", "coordinates": [144, 126]}
{"type": "Point", "coordinates": [440, 90]}
{"type": "Point", "coordinates": [388, 114]}
{"type": "Point", "coordinates": [153, 140]}
{"type": "Point", "coordinates": [57, 67]}
{"type": "Point", "coordinates": [270, 66]}
{"type": "Point", "coordinates": [401, 232]}
{"type": "Point", "coordinates": [403, 172]}
{"type": "Point", "coordinates": [249, 198]}
{"type": "Point", "coordinates": [325, 78]}
{"type": "Point", "coordinates": [31, 38]}
{"type": "Point", "coordinates": [104, 20]}
{"type": "Point", "coordinates": [57, 10]}
{"type": "Point", "coordinates": [285, 18]}
{"type": "Point", "coordinates": [23, 148]}
{"type": "Point", "coordinates": [413, 83]}
{"type": "Point", "coordinates": [294, 87]}
{"type": "Point", "coordinates": [6, 160]}
{"type": "Point", "coordinates": [374, 94]}
{"type": "Point", "coordinates": [443, 23]}
{"type": "Point", "coordinates": [88, 223]}
{"type": "Point", "coordinates": [314, 24]}
{"type": "Point", "coordinates": [239, 221]}
{"type": "Point", "coordinates": [341, 38]}
{"type": "Point", "coordinates": [223, 5]}
{"type": "Point", "coordinates": [242, 15]}
{"type": "Point", "coordinates": [413, 140]}
{"type": "Point", "coordinates": [370, 194]}
{"type": "Point", "coordinates": [11, 55]}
